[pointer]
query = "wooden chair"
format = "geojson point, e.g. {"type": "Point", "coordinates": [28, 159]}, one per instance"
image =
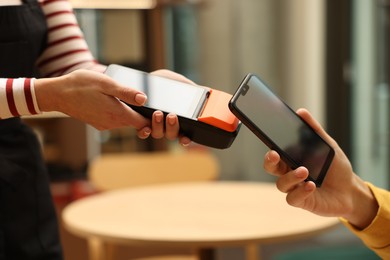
{"type": "Point", "coordinates": [115, 171]}
{"type": "Point", "coordinates": [123, 170]}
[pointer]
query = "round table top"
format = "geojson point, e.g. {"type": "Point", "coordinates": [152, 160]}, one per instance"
{"type": "Point", "coordinates": [198, 214]}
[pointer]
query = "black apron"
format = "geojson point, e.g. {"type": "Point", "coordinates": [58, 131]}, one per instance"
{"type": "Point", "coordinates": [28, 224]}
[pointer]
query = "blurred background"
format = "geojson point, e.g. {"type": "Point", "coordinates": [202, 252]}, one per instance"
{"type": "Point", "coordinates": [329, 56]}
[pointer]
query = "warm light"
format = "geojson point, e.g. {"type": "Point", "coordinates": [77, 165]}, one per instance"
{"type": "Point", "coordinates": [113, 4]}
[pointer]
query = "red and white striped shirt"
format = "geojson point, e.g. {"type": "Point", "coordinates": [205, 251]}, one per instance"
{"type": "Point", "coordinates": [66, 51]}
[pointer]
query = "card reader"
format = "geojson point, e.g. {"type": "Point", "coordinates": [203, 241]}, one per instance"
{"type": "Point", "coordinates": [203, 113]}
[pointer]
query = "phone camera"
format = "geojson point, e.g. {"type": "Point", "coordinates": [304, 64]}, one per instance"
{"type": "Point", "coordinates": [244, 90]}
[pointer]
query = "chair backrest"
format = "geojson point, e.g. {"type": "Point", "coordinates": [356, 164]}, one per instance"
{"type": "Point", "coordinates": [114, 171]}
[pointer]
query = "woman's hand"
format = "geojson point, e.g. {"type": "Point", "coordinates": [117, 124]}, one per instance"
{"type": "Point", "coordinates": [342, 194]}
{"type": "Point", "coordinates": [171, 122]}
{"type": "Point", "coordinates": [94, 98]}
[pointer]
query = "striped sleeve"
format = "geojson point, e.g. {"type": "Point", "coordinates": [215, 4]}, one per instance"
{"type": "Point", "coordinates": [17, 97]}
{"type": "Point", "coordinates": [67, 49]}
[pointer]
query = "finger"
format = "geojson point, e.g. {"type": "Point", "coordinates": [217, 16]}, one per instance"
{"type": "Point", "coordinates": [157, 125]}
{"type": "Point", "coordinates": [126, 116]}
{"type": "Point", "coordinates": [290, 180]}
{"type": "Point", "coordinates": [172, 75]}
{"type": "Point", "coordinates": [144, 133]}
{"type": "Point", "coordinates": [126, 94]}
{"type": "Point", "coordinates": [300, 194]}
{"type": "Point", "coordinates": [185, 141]}
{"type": "Point", "coordinates": [171, 127]}
{"type": "Point", "coordinates": [273, 164]}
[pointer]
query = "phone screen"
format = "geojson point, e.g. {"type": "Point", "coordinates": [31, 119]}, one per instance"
{"type": "Point", "coordinates": [163, 94]}
{"type": "Point", "coordinates": [280, 128]}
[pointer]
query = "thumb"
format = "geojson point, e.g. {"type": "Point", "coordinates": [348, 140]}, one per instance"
{"type": "Point", "coordinates": [126, 94]}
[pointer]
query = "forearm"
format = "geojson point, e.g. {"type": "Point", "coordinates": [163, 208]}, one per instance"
{"type": "Point", "coordinates": [47, 95]}
{"type": "Point", "coordinates": [29, 96]}
{"type": "Point", "coordinates": [17, 97]}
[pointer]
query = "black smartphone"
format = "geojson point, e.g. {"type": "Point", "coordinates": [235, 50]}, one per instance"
{"type": "Point", "coordinates": [203, 113]}
{"type": "Point", "coordinates": [280, 128]}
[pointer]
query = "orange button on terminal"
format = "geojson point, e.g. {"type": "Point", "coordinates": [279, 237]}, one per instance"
{"type": "Point", "coordinates": [216, 111]}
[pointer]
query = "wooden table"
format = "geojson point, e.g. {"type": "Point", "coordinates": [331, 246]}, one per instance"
{"type": "Point", "coordinates": [200, 216]}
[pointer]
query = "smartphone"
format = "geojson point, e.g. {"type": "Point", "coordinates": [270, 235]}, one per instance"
{"type": "Point", "coordinates": [203, 113]}
{"type": "Point", "coordinates": [280, 128]}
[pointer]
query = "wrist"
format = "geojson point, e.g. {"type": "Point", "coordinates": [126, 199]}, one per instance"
{"type": "Point", "coordinates": [364, 205]}
{"type": "Point", "coordinates": [45, 93]}
{"type": "Point", "coordinates": [33, 106]}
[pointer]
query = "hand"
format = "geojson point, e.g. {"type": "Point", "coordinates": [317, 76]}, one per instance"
{"type": "Point", "coordinates": [342, 194]}
{"type": "Point", "coordinates": [94, 98]}
{"type": "Point", "coordinates": [171, 122]}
